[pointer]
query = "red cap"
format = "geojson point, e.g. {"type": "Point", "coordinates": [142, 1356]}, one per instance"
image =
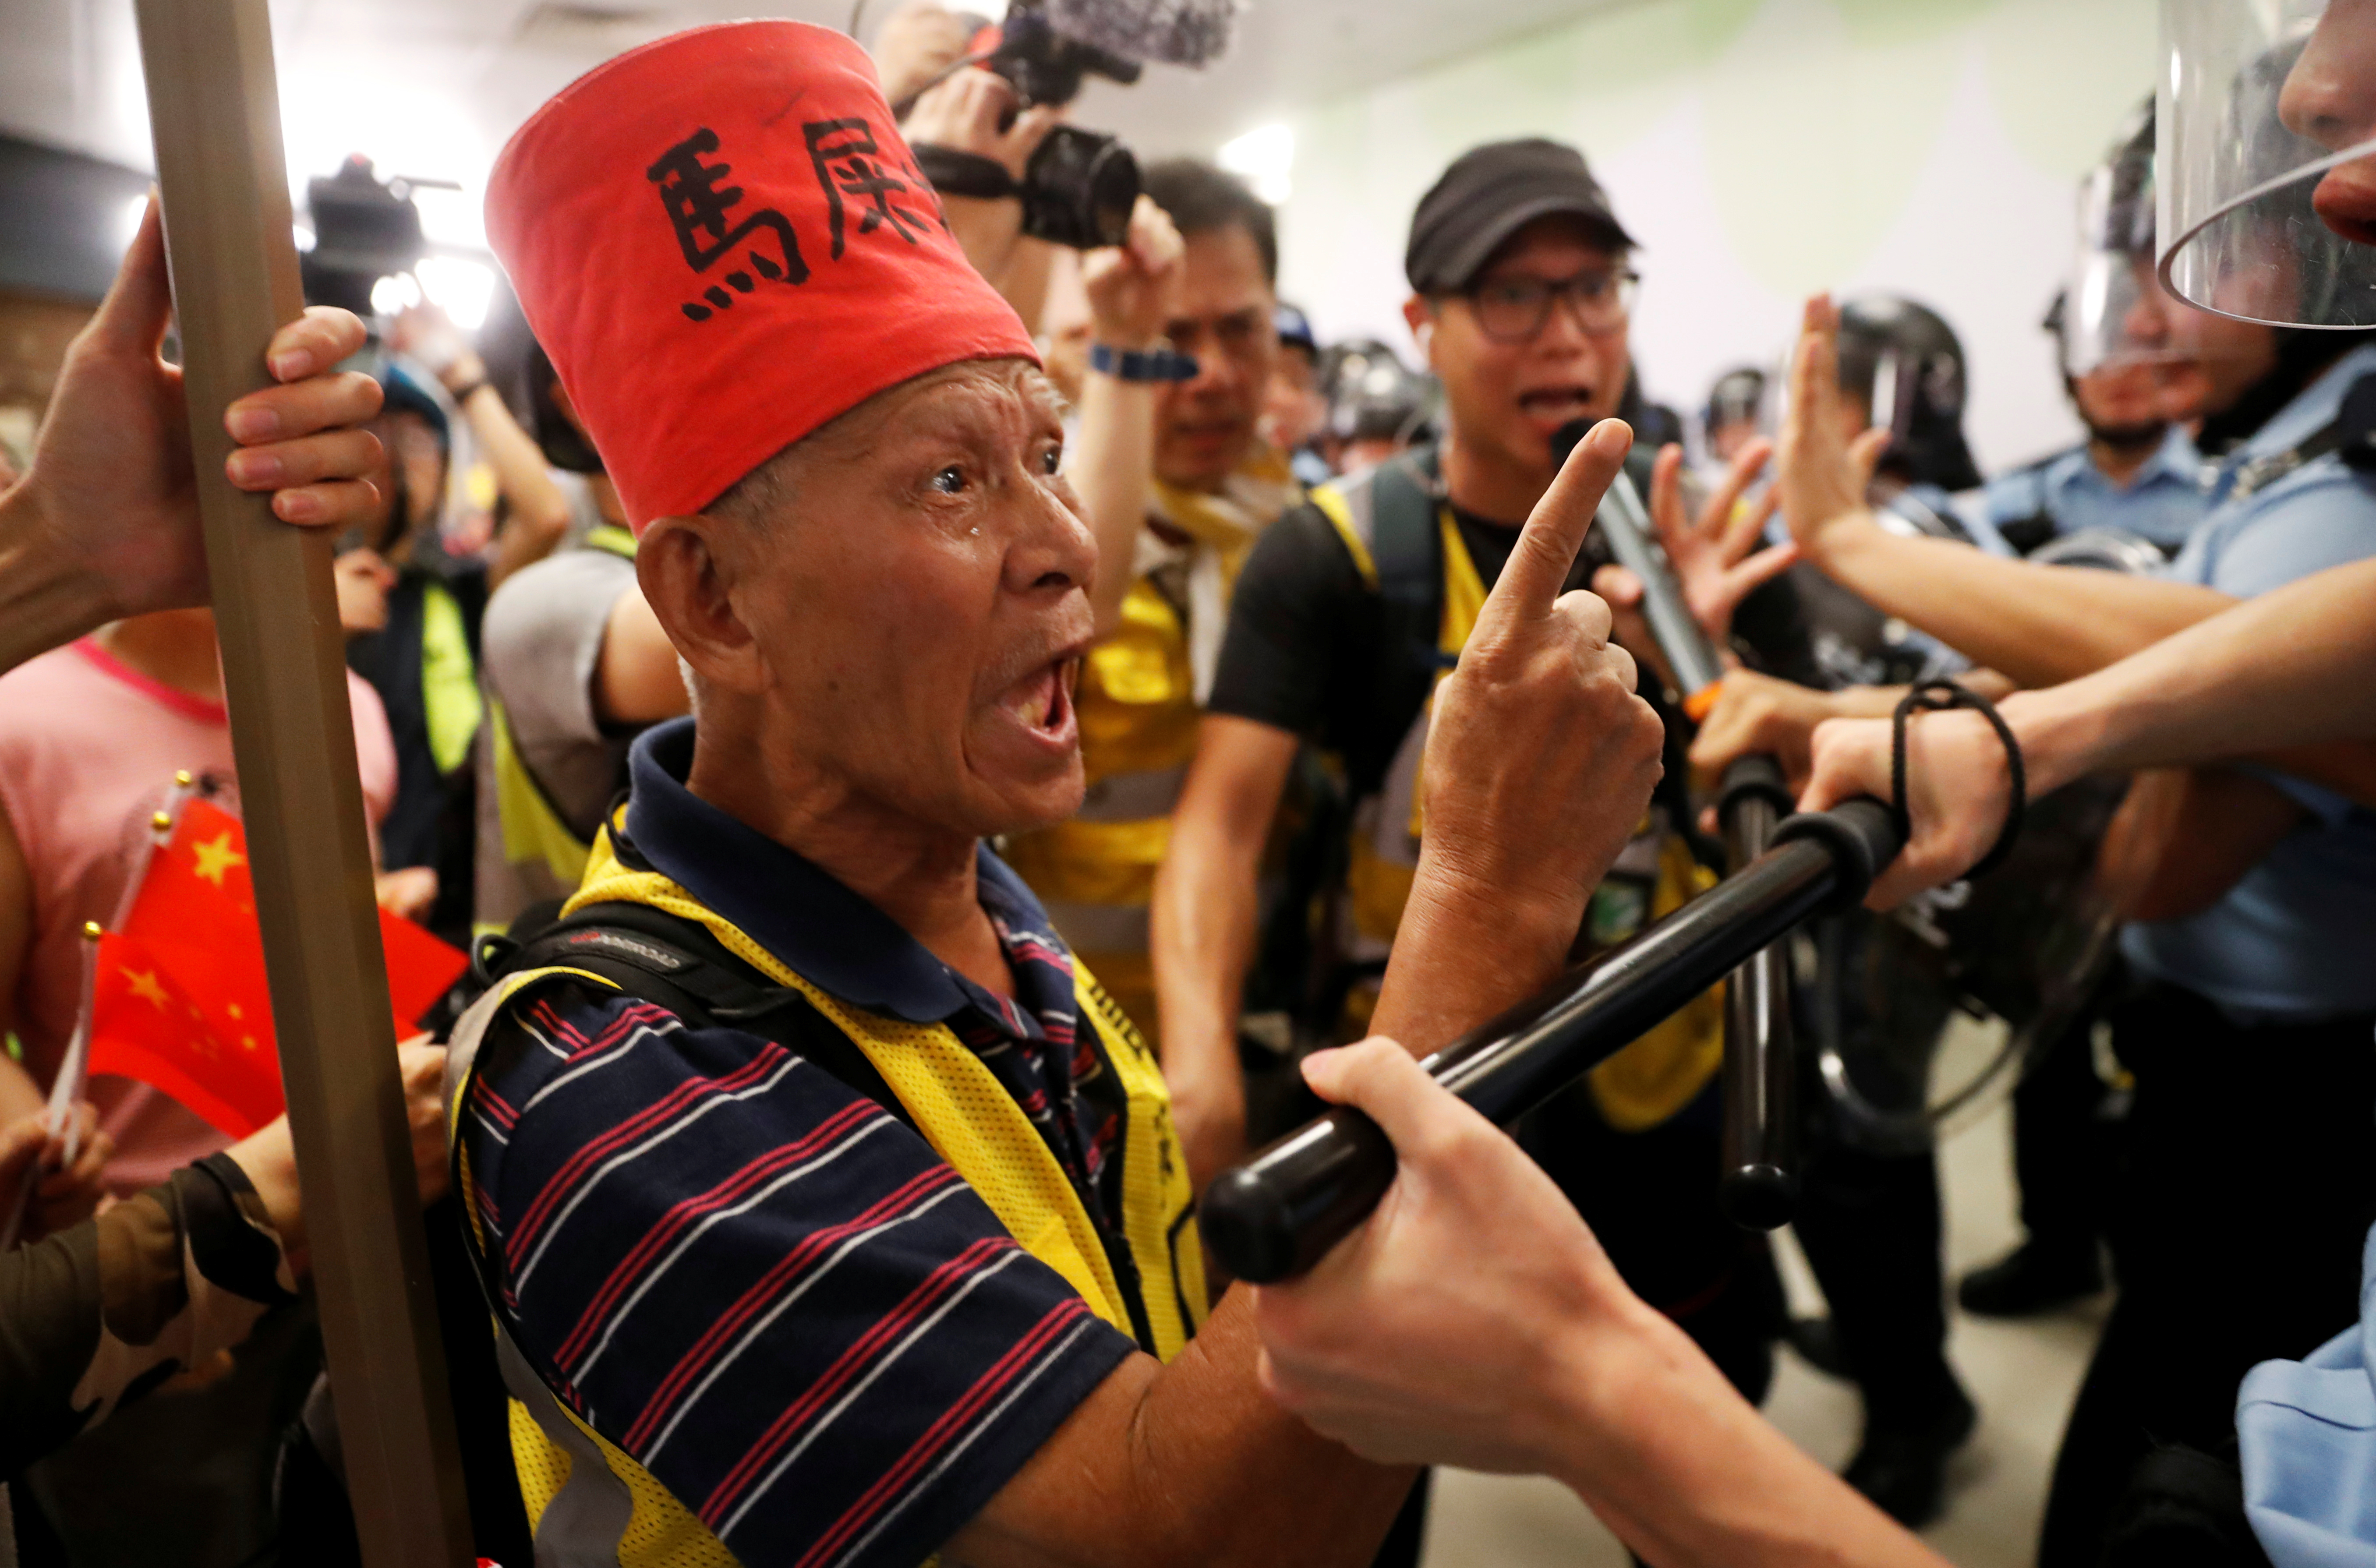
{"type": "Point", "coordinates": [723, 243]}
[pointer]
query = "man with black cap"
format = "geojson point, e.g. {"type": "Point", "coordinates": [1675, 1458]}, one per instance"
{"type": "Point", "coordinates": [1351, 610]}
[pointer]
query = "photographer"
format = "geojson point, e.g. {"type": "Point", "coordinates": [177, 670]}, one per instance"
{"type": "Point", "coordinates": [1178, 482]}
{"type": "Point", "coordinates": [976, 112]}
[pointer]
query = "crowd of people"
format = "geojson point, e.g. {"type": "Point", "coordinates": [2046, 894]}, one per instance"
{"type": "Point", "coordinates": [940, 741]}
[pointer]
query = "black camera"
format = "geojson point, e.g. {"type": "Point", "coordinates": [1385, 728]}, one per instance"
{"type": "Point", "coordinates": [1080, 185]}
{"type": "Point", "coordinates": [364, 229]}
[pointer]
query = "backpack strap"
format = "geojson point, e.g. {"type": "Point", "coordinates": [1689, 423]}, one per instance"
{"type": "Point", "coordinates": [677, 964]}
{"type": "Point", "coordinates": [1407, 549]}
{"type": "Point", "coordinates": [1407, 555]}
{"type": "Point", "coordinates": [2351, 432]}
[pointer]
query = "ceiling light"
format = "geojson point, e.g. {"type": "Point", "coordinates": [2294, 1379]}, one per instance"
{"type": "Point", "coordinates": [1266, 156]}
{"type": "Point", "coordinates": [459, 287]}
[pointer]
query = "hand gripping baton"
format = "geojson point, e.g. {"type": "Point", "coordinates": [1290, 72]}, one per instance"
{"type": "Point", "coordinates": [1275, 1215]}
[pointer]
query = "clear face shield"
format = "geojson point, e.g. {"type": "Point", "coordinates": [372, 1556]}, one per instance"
{"type": "Point", "coordinates": [2112, 306]}
{"type": "Point", "coordinates": [2266, 159]}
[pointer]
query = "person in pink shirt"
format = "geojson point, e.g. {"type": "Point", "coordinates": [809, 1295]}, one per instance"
{"type": "Point", "coordinates": [91, 735]}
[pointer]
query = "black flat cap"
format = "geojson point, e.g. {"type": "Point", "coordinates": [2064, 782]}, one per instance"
{"type": "Point", "coordinates": [1491, 193]}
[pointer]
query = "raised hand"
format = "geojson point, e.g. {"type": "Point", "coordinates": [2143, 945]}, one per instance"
{"type": "Point", "coordinates": [110, 505]}
{"type": "Point", "coordinates": [919, 42]}
{"type": "Point", "coordinates": [1540, 758]}
{"type": "Point", "coordinates": [1134, 287]}
{"type": "Point", "coordinates": [1715, 555]}
{"type": "Point", "coordinates": [1823, 466]}
{"type": "Point", "coordinates": [969, 112]}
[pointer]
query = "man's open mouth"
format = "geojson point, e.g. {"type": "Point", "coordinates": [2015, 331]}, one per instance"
{"type": "Point", "coordinates": [1557, 405]}
{"type": "Point", "coordinates": [1042, 701]}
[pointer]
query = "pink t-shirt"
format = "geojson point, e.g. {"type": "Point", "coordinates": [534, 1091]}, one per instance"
{"type": "Point", "coordinates": [88, 747]}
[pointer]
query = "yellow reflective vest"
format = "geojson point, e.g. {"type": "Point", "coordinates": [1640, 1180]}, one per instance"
{"type": "Point", "coordinates": [1142, 691]}
{"type": "Point", "coordinates": [588, 1499]}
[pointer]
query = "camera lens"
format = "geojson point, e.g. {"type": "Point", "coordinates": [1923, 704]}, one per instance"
{"type": "Point", "coordinates": [1112, 191]}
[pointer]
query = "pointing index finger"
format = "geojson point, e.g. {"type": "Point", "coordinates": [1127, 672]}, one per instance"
{"type": "Point", "coordinates": [1546, 551]}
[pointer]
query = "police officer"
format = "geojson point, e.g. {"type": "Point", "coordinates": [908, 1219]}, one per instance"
{"type": "Point", "coordinates": [1350, 610]}
{"type": "Point", "coordinates": [2133, 489]}
{"type": "Point", "coordinates": [2137, 471]}
{"type": "Point", "coordinates": [1735, 414]}
{"type": "Point", "coordinates": [2249, 932]}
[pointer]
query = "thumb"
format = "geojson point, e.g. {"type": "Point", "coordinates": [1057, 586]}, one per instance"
{"type": "Point", "coordinates": [19, 1141]}
{"type": "Point", "coordinates": [1380, 1078]}
{"type": "Point", "coordinates": [1619, 585]}
{"type": "Point", "coordinates": [132, 315]}
{"type": "Point", "coordinates": [1865, 453]}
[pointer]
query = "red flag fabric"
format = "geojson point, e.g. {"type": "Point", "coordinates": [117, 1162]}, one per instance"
{"type": "Point", "coordinates": [180, 1001]}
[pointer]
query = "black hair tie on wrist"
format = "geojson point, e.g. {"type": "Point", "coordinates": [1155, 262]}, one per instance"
{"type": "Point", "coordinates": [1941, 697]}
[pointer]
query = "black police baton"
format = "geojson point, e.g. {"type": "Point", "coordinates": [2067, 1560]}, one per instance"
{"type": "Point", "coordinates": [1760, 1185]}
{"type": "Point", "coordinates": [1275, 1215]}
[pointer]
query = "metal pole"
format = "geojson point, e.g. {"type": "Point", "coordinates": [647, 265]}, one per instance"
{"type": "Point", "coordinates": [214, 110]}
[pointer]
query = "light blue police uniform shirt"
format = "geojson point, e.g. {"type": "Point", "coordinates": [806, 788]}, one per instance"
{"type": "Point", "coordinates": [2163, 501]}
{"type": "Point", "coordinates": [2292, 940]}
{"type": "Point", "coordinates": [2306, 1433]}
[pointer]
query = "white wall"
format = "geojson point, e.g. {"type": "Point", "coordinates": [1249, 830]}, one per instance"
{"type": "Point", "coordinates": [1761, 149]}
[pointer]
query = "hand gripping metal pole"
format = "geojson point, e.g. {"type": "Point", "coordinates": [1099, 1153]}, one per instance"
{"type": "Point", "coordinates": [214, 110]}
{"type": "Point", "coordinates": [1275, 1215]}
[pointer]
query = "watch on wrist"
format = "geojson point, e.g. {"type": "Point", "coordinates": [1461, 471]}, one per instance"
{"type": "Point", "coordinates": [1141, 364]}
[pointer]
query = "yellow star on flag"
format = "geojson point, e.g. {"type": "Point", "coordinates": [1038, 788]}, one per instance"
{"type": "Point", "coordinates": [145, 986]}
{"type": "Point", "coordinates": [216, 857]}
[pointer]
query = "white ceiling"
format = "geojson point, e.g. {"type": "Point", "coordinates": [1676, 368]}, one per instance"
{"type": "Point", "coordinates": [431, 88]}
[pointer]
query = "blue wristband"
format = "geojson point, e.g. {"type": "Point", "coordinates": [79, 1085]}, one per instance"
{"type": "Point", "coordinates": [1141, 364]}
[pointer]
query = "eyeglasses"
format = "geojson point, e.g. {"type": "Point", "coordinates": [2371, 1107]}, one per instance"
{"type": "Point", "coordinates": [1512, 310]}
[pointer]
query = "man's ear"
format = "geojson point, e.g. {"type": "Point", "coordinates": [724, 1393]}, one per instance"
{"type": "Point", "coordinates": [687, 577]}
{"type": "Point", "coordinates": [1419, 315]}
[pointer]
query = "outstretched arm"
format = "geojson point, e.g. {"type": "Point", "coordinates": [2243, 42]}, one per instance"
{"type": "Point", "coordinates": [1475, 1320]}
{"type": "Point", "coordinates": [2282, 678]}
{"type": "Point", "coordinates": [1133, 289]}
{"type": "Point", "coordinates": [105, 523]}
{"type": "Point", "coordinates": [2037, 624]}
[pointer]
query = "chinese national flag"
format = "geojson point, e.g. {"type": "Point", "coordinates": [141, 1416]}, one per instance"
{"type": "Point", "coordinates": [180, 1001]}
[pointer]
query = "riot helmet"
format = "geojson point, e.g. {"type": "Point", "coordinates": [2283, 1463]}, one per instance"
{"type": "Point", "coordinates": [1735, 411]}
{"type": "Point", "coordinates": [1905, 362]}
{"type": "Point", "coordinates": [2266, 194]}
{"type": "Point", "coordinates": [2101, 317]}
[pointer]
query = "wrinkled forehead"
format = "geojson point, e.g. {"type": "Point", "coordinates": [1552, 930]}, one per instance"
{"type": "Point", "coordinates": [981, 397]}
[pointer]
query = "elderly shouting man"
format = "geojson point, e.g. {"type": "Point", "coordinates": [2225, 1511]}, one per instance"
{"type": "Point", "coordinates": [830, 1211]}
